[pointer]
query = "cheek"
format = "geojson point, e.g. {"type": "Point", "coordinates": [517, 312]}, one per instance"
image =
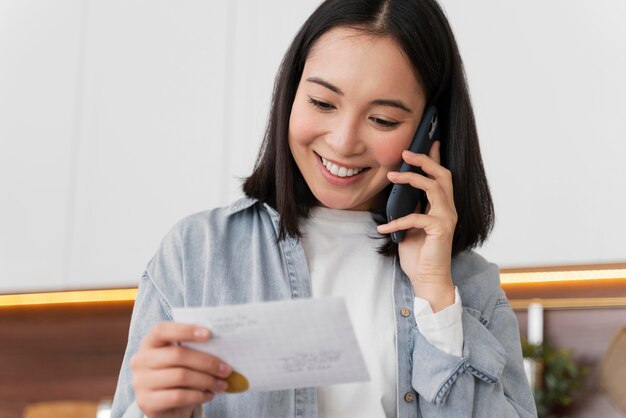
{"type": "Point", "coordinates": [389, 153]}
{"type": "Point", "coordinates": [302, 127]}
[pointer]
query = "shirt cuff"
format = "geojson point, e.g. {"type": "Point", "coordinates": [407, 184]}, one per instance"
{"type": "Point", "coordinates": [443, 329]}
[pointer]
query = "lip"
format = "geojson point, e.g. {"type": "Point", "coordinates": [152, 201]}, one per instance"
{"type": "Point", "coordinates": [336, 180]}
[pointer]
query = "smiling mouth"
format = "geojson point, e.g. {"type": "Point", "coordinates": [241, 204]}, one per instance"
{"type": "Point", "coordinates": [340, 171]}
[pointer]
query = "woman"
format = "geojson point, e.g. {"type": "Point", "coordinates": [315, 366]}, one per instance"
{"type": "Point", "coordinates": [438, 335]}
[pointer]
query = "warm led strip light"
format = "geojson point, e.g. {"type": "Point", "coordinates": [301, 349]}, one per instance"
{"type": "Point", "coordinates": [559, 276]}
{"type": "Point", "coordinates": [122, 295]}
{"type": "Point", "coordinates": [570, 303]}
{"type": "Point", "coordinates": [109, 295]}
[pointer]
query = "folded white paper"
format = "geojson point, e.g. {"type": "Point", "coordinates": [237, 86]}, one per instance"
{"type": "Point", "coordinates": [284, 344]}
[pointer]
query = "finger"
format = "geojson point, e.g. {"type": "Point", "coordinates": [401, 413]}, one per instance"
{"type": "Point", "coordinates": [166, 333]}
{"type": "Point", "coordinates": [162, 400]}
{"type": "Point", "coordinates": [432, 225]}
{"type": "Point", "coordinates": [179, 377]}
{"type": "Point", "coordinates": [414, 220]}
{"type": "Point", "coordinates": [426, 163]}
{"type": "Point", "coordinates": [433, 169]}
{"type": "Point", "coordinates": [434, 191]}
{"type": "Point", "coordinates": [179, 356]}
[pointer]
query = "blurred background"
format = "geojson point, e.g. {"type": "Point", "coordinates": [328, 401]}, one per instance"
{"type": "Point", "coordinates": [118, 118]}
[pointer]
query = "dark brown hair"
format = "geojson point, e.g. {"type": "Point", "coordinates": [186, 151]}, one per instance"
{"type": "Point", "coordinates": [421, 29]}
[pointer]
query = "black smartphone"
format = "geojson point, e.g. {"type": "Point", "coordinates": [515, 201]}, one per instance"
{"type": "Point", "coordinates": [404, 198]}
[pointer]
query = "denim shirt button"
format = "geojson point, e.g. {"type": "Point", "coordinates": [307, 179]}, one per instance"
{"type": "Point", "coordinates": [405, 312]}
{"type": "Point", "coordinates": [408, 397]}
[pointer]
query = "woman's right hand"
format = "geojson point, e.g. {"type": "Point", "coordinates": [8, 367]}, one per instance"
{"type": "Point", "coordinates": [170, 380]}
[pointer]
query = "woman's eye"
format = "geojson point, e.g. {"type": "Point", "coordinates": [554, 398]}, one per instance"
{"type": "Point", "coordinates": [321, 105]}
{"type": "Point", "coordinates": [384, 123]}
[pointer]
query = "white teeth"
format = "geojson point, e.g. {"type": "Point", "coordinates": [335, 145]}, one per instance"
{"type": "Point", "coordinates": [340, 171]}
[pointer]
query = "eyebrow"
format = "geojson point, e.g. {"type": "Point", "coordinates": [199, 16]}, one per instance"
{"type": "Point", "coordinates": [380, 102]}
{"type": "Point", "coordinates": [326, 84]}
{"type": "Point", "coordinates": [393, 103]}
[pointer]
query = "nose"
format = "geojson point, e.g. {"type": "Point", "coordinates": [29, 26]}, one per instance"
{"type": "Point", "coordinates": [345, 139]}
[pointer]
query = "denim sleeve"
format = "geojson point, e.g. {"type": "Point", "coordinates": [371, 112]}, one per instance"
{"type": "Point", "coordinates": [488, 380]}
{"type": "Point", "coordinates": [147, 312]}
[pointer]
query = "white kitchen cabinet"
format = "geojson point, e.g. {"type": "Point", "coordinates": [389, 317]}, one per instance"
{"type": "Point", "coordinates": [118, 118]}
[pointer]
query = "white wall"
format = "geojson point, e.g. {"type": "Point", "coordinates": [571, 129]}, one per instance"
{"type": "Point", "coordinates": [39, 83]}
{"type": "Point", "coordinates": [117, 118]}
{"type": "Point", "coordinates": [549, 91]}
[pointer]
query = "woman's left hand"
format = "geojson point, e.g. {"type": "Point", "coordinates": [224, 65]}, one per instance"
{"type": "Point", "coordinates": [426, 250]}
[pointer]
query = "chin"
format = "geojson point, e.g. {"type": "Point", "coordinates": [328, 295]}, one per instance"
{"type": "Point", "coordinates": [339, 202]}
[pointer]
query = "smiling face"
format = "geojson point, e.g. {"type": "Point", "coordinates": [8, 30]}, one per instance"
{"type": "Point", "coordinates": [356, 109]}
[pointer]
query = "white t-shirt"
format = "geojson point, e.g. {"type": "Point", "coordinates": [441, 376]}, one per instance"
{"type": "Point", "coordinates": [344, 264]}
{"type": "Point", "coordinates": [343, 261]}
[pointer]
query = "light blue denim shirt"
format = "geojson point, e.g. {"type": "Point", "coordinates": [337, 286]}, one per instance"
{"type": "Point", "coordinates": [230, 256]}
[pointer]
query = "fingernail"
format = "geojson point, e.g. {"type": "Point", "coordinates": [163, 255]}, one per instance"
{"type": "Point", "coordinates": [224, 369]}
{"type": "Point", "coordinates": [392, 173]}
{"type": "Point", "coordinates": [406, 151]}
{"type": "Point", "coordinates": [201, 333]}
